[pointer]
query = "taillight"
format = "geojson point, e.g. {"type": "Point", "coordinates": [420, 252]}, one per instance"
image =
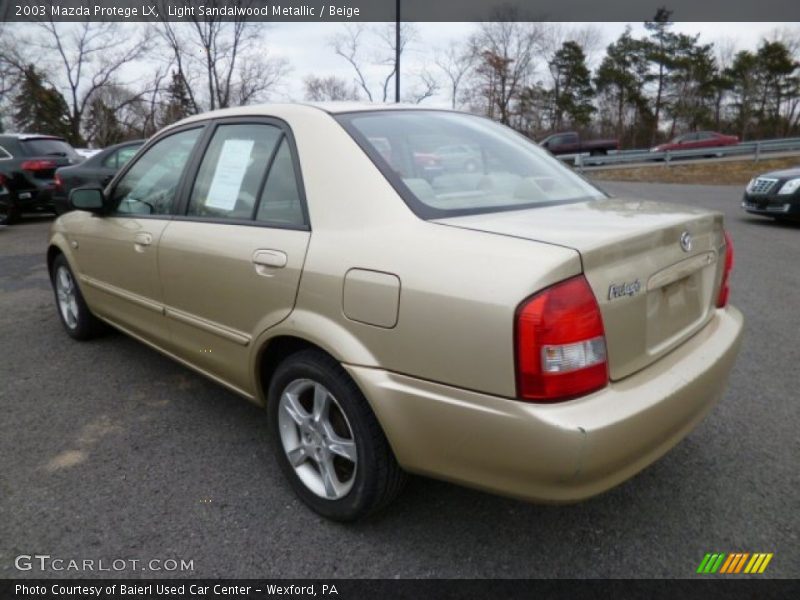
{"type": "Point", "coordinates": [2, 180]}
{"type": "Point", "coordinates": [724, 288]}
{"type": "Point", "coordinates": [37, 165]}
{"type": "Point", "coordinates": [59, 183]}
{"type": "Point", "coordinates": [560, 343]}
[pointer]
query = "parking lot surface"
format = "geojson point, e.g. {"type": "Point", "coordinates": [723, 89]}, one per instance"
{"type": "Point", "coordinates": [109, 450]}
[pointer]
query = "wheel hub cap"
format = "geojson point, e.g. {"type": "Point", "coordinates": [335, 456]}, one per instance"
{"type": "Point", "coordinates": [317, 439]}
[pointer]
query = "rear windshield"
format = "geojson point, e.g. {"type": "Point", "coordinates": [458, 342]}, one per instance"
{"type": "Point", "coordinates": [447, 164]}
{"type": "Point", "coordinates": [48, 147]}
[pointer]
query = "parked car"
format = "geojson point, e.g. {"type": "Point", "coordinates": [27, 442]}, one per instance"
{"type": "Point", "coordinates": [522, 332]}
{"type": "Point", "coordinates": [98, 169]}
{"type": "Point", "coordinates": [87, 152]}
{"type": "Point", "coordinates": [697, 139]}
{"type": "Point", "coordinates": [571, 143]}
{"type": "Point", "coordinates": [459, 157]}
{"type": "Point", "coordinates": [775, 194]}
{"type": "Point", "coordinates": [27, 167]}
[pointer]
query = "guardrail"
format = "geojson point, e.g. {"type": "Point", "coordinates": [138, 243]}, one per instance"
{"type": "Point", "coordinates": [755, 149]}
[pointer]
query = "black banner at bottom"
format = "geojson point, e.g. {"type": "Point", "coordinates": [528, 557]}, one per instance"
{"type": "Point", "coordinates": [385, 589]}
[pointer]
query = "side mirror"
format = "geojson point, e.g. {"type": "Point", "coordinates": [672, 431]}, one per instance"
{"type": "Point", "coordinates": [87, 198]}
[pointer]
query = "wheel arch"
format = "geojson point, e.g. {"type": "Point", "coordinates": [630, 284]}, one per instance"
{"type": "Point", "coordinates": [303, 330]}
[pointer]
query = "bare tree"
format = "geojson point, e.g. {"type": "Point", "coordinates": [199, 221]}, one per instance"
{"type": "Point", "coordinates": [455, 61]}
{"type": "Point", "coordinates": [508, 50]}
{"type": "Point", "coordinates": [372, 50]}
{"type": "Point", "coordinates": [331, 88]}
{"type": "Point", "coordinates": [425, 86]}
{"type": "Point", "coordinates": [89, 56]}
{"type": "Point", "coordinates": [223, 62]}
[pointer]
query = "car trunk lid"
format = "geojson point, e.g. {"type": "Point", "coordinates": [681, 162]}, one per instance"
{"type": "Point", "coordinates": [654, 292]}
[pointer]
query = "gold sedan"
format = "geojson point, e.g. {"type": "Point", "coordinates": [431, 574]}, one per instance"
{"type": "Point", "coordinates": [497, 322]}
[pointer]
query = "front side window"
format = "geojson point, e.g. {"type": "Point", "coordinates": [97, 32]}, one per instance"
{"type": "Point", "coordinates": [232, 172]}
{"type": "Point", "coordinates": [446, 164]}
{"type": "Point", "coordinates": [150, 186]}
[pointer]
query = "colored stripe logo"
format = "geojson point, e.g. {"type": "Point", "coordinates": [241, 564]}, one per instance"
{"type": "Point", "coordinates": [734, 563]}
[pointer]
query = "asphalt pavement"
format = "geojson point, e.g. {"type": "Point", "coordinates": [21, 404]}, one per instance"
{"type": "Point", "coordinates": [110, 451]}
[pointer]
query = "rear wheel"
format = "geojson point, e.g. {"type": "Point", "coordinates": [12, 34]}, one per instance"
{"type": "Point", "coordinates": [327, 440]}
{"type": "Point", "coordinates": [75, 315]}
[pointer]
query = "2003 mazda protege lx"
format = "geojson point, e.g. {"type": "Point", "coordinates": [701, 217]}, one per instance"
{"type": "Point", "coordinates": [504, 324]}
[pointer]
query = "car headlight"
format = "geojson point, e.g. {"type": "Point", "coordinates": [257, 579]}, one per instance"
{"type": "Point", "coordinates": [790, 187]}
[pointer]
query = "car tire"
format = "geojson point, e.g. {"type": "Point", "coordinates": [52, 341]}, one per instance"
{"type": "Point", "coordinates": [77, 319]}
{"type": "Point", "coordinates": [341, 463]}
{"type": "Point", "coordinates": [9, 217]}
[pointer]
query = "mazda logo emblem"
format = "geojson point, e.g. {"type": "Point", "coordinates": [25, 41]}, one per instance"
{"type": "Point", "coordinates": [686, 241]}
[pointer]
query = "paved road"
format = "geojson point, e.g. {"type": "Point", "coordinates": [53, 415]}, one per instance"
{"type": "Point", "coordinates": [108, 450]}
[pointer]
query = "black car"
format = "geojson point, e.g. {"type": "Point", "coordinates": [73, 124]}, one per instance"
{"type": "Point", "coordinates": [28, 163]}
{"type": "Point", "coordinates": [775, 194]}
{"type": "Point", "coordinates": [95, 170]}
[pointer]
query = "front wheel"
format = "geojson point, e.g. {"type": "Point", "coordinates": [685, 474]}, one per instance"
{"type": "Point", "coordinates": [327, 440]}
{"type": "Point", "coordinates": [75, 315]}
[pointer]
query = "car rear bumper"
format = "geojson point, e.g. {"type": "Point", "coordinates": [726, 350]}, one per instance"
{"type": "Point", "coordinates": [561, 452]}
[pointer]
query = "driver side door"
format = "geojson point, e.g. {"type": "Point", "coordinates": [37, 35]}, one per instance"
{"type": "Point", "coordinates": [117, 252]}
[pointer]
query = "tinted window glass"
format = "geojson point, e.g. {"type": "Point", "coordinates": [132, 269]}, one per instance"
{"type": "Point", "coordinates": [149, 187]}
{"type": "Point", "coordinates": [280, 201]}
{"type": "Point", "coordinates": [493, 169]}
{"type": "Point", "coordinates": [232, 171]}
{"type": "Point", "coordinates": [120, 158]}
{"type": "Point", "coordinates": [4, 153]}
{"type": "Point", "coordinates": [48, 147]}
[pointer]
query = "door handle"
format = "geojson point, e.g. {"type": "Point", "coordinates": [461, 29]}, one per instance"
{"type": "Point", "coordinates": [142, 239]}
{"type": "Point", "coordinates": [273, 259]}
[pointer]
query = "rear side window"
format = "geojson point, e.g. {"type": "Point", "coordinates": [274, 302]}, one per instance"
{"type": "Point", "coordinates": [233, 170]}
{"type": "Point", "coordinates": [48, 147]}
{"type": "Point", "coordinates": [4, 154]}
{"type": "Point", "coordinates": [447, 164]}
{"type": "Point", "coordinates": [120, 158]}
{"type": "Point", "coordinates": [280, 202]}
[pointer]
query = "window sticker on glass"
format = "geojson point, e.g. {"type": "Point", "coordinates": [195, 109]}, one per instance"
{"type": "Point", "coordinates": [229, 174]}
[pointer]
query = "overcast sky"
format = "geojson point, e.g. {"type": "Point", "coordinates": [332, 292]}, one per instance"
{"type": "Point", "coordinates": [307, 48]}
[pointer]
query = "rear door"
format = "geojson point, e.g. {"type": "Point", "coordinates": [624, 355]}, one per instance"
{"type": "Point", "coordinates": [117, 254]}
{"type": "Point", "coordinates": [230, 264]}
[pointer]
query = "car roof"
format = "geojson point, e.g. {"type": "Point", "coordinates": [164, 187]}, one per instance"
{"type": "Point", "coordinates": [31, 136]}
{"type": "Point", "coordinates": [293, 109]}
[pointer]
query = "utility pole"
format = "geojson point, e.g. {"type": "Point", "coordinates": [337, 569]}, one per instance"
{"type": "Point", "coordinates": [397, 52]}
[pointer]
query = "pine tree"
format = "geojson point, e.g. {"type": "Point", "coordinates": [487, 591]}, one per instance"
{"type": "Point", "coordinates": [38, 107]}
{"type": "Point", "coordinates": [572, 87]}
{"type": "Point", "coordinates": [179, 105]}
{"type": "Point", "coordinates": [621, 80]}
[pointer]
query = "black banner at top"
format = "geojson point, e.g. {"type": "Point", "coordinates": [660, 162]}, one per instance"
{"type": "Point", "coordinates": [387, 10]}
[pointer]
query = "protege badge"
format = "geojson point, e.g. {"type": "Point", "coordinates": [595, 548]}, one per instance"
{"type": "Point", "coordinates": [618, 290]}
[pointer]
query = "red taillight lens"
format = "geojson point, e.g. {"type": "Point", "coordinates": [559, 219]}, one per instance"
{"type": "Point", "coordinates": [37, 165]}
{"type": "Point", "coordinates": [560, 343]}
{"type": "Point", "coordinates": [724, 288]}
{"type": "Point", "coordinates": [2, 179]}
{"type": "Point", "coordinates": [58, 183]}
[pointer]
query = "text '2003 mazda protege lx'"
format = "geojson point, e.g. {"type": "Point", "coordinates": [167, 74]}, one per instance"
{"type": "Point", "coordinates": [506, 326]}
